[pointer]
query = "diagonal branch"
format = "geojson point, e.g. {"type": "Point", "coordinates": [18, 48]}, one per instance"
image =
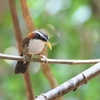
{"type": "Point", "coordinates": [55, 61]}
{"type": "Point", "coordinates": [71, 84]}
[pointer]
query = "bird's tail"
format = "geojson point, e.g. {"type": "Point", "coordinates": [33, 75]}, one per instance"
{"type": "Point", "coordinates": [21, 67]}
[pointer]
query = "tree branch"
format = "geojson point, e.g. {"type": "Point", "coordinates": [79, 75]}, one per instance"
{"type": "Point", "coordinates": [18, 36]}
{"type": "Point", "coordinates": [71, 84]}
{"type": "Point", "coordinates": [26, 15]}
{"type": "Point", "coordinates": [56, 61]}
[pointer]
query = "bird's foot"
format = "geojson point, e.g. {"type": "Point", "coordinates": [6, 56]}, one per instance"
{"type": "Point", "coordinates": [44, 58]}
{"type": "Point", "coordinates": [26, 58]}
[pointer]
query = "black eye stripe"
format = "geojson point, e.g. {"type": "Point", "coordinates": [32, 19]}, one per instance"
{"type": "Point", "coordinates": [41, 35]}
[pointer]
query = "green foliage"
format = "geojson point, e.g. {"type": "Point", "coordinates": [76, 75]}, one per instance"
{"type": "Point", "coordinates": [73, 27]}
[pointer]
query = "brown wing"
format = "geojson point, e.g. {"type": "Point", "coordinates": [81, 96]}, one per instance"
{"type": "Point", "coordinates": [25, 42]}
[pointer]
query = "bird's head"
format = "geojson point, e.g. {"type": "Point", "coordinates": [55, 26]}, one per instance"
{"type": "Point", "coordinates": [40, 35]}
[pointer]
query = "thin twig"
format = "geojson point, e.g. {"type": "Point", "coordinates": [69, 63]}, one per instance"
{"type": "Point", "coordinates": [71, 84]}
{"type": "Point", "coordinates": [55, 61]}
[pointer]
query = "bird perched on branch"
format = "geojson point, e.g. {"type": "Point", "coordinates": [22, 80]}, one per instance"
{"type": "Point", "coordinates": [32, 44]}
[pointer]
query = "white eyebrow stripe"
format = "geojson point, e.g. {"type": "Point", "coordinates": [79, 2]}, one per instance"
{"type": "Point", "coordinates": [40, 34]}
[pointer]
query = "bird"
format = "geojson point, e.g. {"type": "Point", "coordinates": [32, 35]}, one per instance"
{"type": "Point", "coordinates": [32, 44]}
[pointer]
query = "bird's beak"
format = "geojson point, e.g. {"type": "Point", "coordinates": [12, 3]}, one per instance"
{"type": "Point", "coordinates": [49, 45]}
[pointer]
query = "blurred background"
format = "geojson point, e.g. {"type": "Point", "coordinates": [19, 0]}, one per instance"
{"type": "Point", "coordinates": [74, 30]}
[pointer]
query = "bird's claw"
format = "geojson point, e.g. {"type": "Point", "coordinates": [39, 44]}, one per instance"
{"type": "Point", "coordinates": [44, 58]}
{"type": "Point", "coordinates": [26, 58]}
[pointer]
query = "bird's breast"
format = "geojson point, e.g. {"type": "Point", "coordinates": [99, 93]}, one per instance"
{"type": "Point", "coordinates": [35, 46]}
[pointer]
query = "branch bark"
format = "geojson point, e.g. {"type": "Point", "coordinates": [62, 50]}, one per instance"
{"type": "Point", "coordinates": [71, 84]}
{"type": "Point", "coordinates": [18, 37]}
{"type": "Point", "coordinates": [55, 61]}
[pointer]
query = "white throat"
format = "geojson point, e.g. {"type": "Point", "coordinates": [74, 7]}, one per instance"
{"type": "Point", "coordinates": [35, 46]}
